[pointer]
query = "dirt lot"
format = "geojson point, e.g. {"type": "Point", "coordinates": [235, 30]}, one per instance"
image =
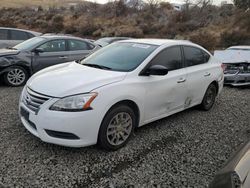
{"type": "Point", "coordinates": [184, 150]}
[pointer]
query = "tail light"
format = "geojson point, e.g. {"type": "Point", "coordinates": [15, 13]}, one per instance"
{"type": "Point", "coordinates": [223, 66]}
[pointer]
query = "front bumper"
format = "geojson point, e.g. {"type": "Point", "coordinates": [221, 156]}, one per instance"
{"type": "Point", "coordinates": [82, 126]}
{"type": "Point", "coordinates": [239, 79]}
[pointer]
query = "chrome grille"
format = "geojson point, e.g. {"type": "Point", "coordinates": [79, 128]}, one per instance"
{"type": "Point", "coordinates": [34, 100]}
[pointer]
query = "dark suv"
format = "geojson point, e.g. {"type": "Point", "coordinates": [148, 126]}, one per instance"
{"type": "Point", "coordinates": [23, 60]}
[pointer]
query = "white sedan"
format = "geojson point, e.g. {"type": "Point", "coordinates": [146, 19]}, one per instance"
{"type": "Point", "coordinates": [118, 88]}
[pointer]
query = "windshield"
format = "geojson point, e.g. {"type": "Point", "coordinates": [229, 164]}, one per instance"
{"type": "Point", "coordinates": [120, 56]}
{"type": "Point", "coordinates": [29, 43]}
{"type": "Point", "coordinates": [103, 41]}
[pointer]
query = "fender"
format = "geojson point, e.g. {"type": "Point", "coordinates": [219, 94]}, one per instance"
{"type": "Point", "coordinates": [6, 69]}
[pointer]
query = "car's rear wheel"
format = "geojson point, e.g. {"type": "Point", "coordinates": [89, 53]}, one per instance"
{"type": "Point", "coordinates": [15, 76]}
{"type": "Point", "coordinates": [117, 127]}
{"type": "Point", "coordinates": [209, 97]}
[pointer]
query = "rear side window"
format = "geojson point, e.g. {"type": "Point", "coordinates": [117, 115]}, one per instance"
{"type": "Point", "coordinates": [75, 45]}
{"type": "Point", "coordinates": [30, 35]}
{"type": "Point", "coordinates": [3, 34]}
{"type": "Point", "coordinates": [171, 58]}
{"type": "Point", "coordinates": [18, 35]}
{"type": "Point", "coordinates": [54, 46]}
{"type": "Point", "coordinates": [195, 56]}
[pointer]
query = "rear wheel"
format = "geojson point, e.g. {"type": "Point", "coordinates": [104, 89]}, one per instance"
{"type": "Point", "coordinates": [209, 97]}
{"type": "Point", "coordinates": [16, 76]}
{"type": "Point", "coordinates": [117, 127]}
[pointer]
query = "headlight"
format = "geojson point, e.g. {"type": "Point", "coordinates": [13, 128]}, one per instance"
{"type": "Point", "coordinates": [74, 103]}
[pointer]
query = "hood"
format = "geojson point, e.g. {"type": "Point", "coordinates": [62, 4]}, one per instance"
{"type": "Point", "coordinates": [71, 78]}
{"type": "Point", "coordinates": [5, 52]}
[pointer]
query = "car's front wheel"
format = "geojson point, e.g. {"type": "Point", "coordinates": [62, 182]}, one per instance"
{"type": "Point", "coordinates": [209, 97]}
{"type": "Point", "coordinates": [117, 127]}
{"type": "Point", "coordinates": [15, 76]}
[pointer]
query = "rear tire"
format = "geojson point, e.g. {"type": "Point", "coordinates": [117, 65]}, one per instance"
{"type": "Point", "coordinates": [15, 76]}
{"type": "Point", "coordinates": [117, 127]}
{"type": "Point", "coordinates": [209, 98]}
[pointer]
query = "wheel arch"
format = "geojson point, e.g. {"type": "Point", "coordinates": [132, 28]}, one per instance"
{"type": "Point", "coordinates": [16, 65]}
{"type": "Point", "coordinates": [216, 85]}
{"type": "Point", "coordinates": [132, 105]}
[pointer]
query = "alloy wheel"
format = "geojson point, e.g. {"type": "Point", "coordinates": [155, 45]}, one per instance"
{"type": "Point", "coordinates": [210, 96]}
{"type": "Point", "coordinates": [119, 128]}
{"type": "Point", "coordinates": [16, 76]}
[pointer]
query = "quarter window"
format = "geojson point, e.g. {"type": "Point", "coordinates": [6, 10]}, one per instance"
{"type": "Point", "coordinates": [18, 35]}
{"type": "Point", "coordinates": [3, 34]}
{"type": "Point", "coordinates": [195, 56]}
{"type": "Point", "coordinates": [75, 45]}
{"type": "Point", "coordinates": [54, 46]}
{"type": "Point", "coordinates": [171, 58]}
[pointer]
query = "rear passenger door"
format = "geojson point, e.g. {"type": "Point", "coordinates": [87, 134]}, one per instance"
{"type": "Point", "coordinates": [79, 49]}
{"type": "Point", "coordinates": [199, 72]}
{"type": "Point", "coordinates": [54, 52]}
{"type": "Point", "coordinates": [4, 42]}
{"type": "Point", "coordinates": [17, 37]}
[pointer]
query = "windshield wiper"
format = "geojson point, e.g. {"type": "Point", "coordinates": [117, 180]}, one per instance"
{"type": "Point", "coordinates": [98, 66]}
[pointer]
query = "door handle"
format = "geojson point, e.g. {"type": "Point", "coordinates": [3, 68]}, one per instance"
{"type": "Point", "coordinates": [181, 80]}
{"type": "Point", "coordinates": [207, 74]}
{"type": "Point", "coordinates": [63, 57]}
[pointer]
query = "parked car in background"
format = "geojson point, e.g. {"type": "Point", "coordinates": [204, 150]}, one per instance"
{"type": "Point", "coordinates": [10, 37]}
{"type": "Point", "coordinates": [236, 61]}
{"type": "Point", "coordinates": [18, 63]}
{"type": "Point", "coordinates": [119, 87]}
{"type": "Point", "coordinates": [91, 40]}
{"type": "Point", "coordinates": [108, 40]}
{"type": "Point", "coordinates": [236, 173]}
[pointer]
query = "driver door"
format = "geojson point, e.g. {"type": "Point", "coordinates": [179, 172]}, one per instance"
{"type": "Point", "coordinates": [52, 53]}
{"type": "Point", "coordinates": [167, 94]}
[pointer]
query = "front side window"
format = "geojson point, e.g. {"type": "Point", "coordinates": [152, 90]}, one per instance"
{"type": "Point", "coordinates": [54, 46]}
{"type": "Point", "coordinates": [75, 45]}
{"type": "Point", "coordinates": [3, 34]}
{"type": "Point", "coordinates": [18, 35]}
{"type": "Point", "coordinates": [120, 56]}
{"type": "Point", "coordinates": [195, 56]}
{"type": "Point", "coordinates": [170, 58]}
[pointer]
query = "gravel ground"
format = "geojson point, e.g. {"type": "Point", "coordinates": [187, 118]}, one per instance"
{"type": "Point", "coordinates": [184, 150]}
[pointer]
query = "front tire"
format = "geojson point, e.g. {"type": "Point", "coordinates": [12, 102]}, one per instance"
{"type": "Point", "coordinates": [209, 98]}
{"type": "Point", "coordinates": [15, 76]}
{"type": "Point", "coordinates": [117, 127]}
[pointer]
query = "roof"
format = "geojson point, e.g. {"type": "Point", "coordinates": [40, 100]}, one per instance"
{"type": "Point", "coordinates": [158, 42]}
{"type": "Point", "coordinates": [240, 47]}
{"type": "Point", "coordinates": [29, 31]}
{"type": "Point", "coordinates": [60, 36]}
{"type": "Point", "coordinates": [115, 38]}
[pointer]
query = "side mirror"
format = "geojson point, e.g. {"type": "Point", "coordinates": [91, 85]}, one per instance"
{"type": "Point", "coordinates": [157, 70]}
{"type": "Point", "coordinates": [38, 50]}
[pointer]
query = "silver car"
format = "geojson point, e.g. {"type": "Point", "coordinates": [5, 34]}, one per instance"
{"type": "Point", "coordinates": [236, 63]}
{"type": "Point", "coordinates": [10, 37]}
